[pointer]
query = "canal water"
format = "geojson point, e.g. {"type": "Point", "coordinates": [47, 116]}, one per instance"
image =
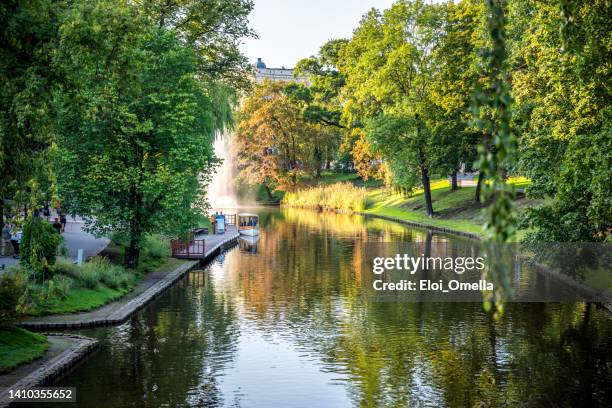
{"type": "Point", "coordinates": [285, 322]}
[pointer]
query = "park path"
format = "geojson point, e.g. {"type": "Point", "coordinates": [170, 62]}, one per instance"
{"type": "Point", "coordinates": [75, 238]}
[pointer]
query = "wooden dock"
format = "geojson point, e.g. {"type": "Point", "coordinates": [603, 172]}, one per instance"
{"type": "Point", "coordinates": [202, 246]}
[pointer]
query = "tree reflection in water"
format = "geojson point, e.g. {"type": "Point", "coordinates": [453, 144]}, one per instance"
{"type": "Point", "coordinates": [291, 325]}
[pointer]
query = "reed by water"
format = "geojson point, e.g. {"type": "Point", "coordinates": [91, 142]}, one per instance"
{"type": "Point", "coordinates": [338, 196]}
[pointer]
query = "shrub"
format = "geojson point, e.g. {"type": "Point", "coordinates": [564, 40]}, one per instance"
{"type": "Point", "coordinates": [90, 273]}
{"type": "Point", "coordinates": [10, 293]}
{"type": "Point", "coordinates": [67, 267]}
{"type": "Point", "coordinates": [155, 247]}
{"type": "Point", "coordinates": [114, 276]}
{"type": "Point", "coordinates": [101, 270]}
{"type": "Point", "coordinates": [339, 196]}
{"type": "Point", "coordinates": [38, 247]}
{"type": "Point", "coordinates": [62, 285]}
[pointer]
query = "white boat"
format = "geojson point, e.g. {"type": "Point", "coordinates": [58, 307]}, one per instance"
{"type": "Point", "coordinates": [248, 224]}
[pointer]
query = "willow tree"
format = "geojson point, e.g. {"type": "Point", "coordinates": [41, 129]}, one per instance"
{"type": "Point", "coordinates": [137, 123]}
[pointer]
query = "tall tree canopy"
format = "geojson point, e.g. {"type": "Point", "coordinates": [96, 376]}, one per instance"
{"type": "Point", "coordinates": [273, 142]}
{"type": "Point", "coordinates": [561, 85]}
{"type": "Point", "coordinates": [213, 28]}
{"type": "Point", "coordinates": [389, 67]}
{"type": "Point", "coordinates": [137, 123]}
{"type": "Point", "coordinates": [28, 36]}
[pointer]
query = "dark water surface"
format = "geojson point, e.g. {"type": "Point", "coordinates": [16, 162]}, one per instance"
{"type": "Point", "coordinates": [285, 323]}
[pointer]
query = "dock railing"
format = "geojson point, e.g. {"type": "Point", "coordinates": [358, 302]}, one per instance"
{"type": "Point", "coordinates": [194, 248]}
{"type": "Point", "coordinates": [230, 219]}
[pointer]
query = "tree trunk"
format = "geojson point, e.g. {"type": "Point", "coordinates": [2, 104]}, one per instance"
{"type": "Point", "coordinates": [427, 190]}
{"type": "Point", "coordinates": [479, 186]}
{"type": "Point", "coordinates": [318, 161]}
{"type": "Point", "coordinates": [132, 252]}
{"type": "Point", "coordinates": [454, 186]}
{"type": "Point", "coordinates": [503, 172]}
{"type": "Point", "coordinates": [426, 185]}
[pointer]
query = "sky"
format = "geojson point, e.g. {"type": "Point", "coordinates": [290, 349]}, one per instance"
{"type": "Point", "coordinates": [290, 30]}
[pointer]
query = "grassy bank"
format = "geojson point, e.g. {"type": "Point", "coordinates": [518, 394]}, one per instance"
{"type": "Point", "coordinates": [18, 347]}
{"type": "Point", "coordinates": [103, 279]}
{"type": "Point", "coordinates": [456, 210]}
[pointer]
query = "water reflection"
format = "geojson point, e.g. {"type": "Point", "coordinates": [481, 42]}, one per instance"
{"type": "Point", "coordinates": [289, 325]}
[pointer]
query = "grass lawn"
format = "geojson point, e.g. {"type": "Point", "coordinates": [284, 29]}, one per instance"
{"type": "Point", "coordinates": [80, 299]}
{"type": "Point", "coordinates": [18, 347]}
{"type": "Point", "coordinates": [453, 209]}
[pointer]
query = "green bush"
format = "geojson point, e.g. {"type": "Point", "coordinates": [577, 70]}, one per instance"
{"type": "Point", "coordinates": [156, 247]}
{"type": "Point", "coordinates": [67, 267]}
{"type": "Point", "coordinates": [39, 245]}
{"type": "Point", "coordinates": [10, 293]}
{"type": "Point", "coordinates": [113, 276]}
{"type": "Point", "coordinates": [339, 196]}
{"type": "Point", "coordinates": [90, 273]}
{"type": "Point", "coordinates": [62, 285]}
{"type": "Point", "coordinates": [95, 271]}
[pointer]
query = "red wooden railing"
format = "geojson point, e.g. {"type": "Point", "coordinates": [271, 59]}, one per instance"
{"type": "Point", "coordinates": [193, 248]}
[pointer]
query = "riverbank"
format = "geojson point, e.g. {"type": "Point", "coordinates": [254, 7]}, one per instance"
{"type": "Point", "coordinates": [455, 211]}
{"type": "Point", "coordinates": [102, 279]}
{"type": "Point", "coordinates": [150, 286]}
{"type": "Point", "coordinates": [58, 356]}
{"type": "Point", "coordinates": [64, 351]}
{"type": "Point", "coordinates": [18, 347]}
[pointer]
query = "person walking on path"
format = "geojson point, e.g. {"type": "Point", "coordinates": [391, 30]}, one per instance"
{"type": "Point", "coordinates": [6, 237]}
{"type": "Point", "coordinates": [63, 222]}
{"type": "Point", "coordinates": [57, 225]}
{"type": "Point", "coordinates": [16, 240]}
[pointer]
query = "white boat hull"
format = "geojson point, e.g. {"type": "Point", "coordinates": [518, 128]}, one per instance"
{"type": "Point", "coordinates": [251, 232]}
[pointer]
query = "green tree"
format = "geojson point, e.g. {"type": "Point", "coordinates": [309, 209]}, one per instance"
{"type": "Point", "coordinates": [28, 36]}
{"type": "Point", "coordinates": [459, 71]}
{"type": "Point", "coordinates": [562, 93]}
{"type": "Point", "coordinates": [213, 28]}
{"type": "Point", "coordinates": [389, 67]}
{"type": "Point", "coordinates": [320, 102]}
{"type": "Point", "coordinates": [137, 124]}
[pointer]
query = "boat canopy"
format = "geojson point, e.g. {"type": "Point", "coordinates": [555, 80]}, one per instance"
{"type": "Point", "coordinates": [247, 215]}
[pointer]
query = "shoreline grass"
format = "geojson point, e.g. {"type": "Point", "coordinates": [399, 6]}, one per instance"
{"type": "Point", "coordinates": [454, 210]}
{"type": "Point", "coordinates": [338, 196]}
{"type": "Point", "coordinates": [82, 299]}
{"type": "Point", "coordinates": [19, 347]}
{"type": "Point", "coordinates": [101, 280]}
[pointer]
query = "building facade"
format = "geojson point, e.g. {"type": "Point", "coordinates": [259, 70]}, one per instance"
{"type": "Point", "coordinates": [281, 74]}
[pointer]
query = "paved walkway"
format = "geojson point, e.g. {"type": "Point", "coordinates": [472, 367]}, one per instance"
{"type": "Point", "coordinates": [75, 239]}
{"type": "Point", "coordinates": [150, 286]}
